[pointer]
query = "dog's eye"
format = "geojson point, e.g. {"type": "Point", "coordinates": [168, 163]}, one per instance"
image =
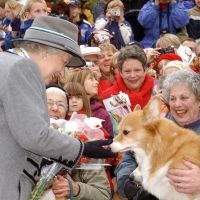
{"type": "Point", "coordinates": [125, 132]}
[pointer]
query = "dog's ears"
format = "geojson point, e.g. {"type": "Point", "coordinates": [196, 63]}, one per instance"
{"type": "Point", "coordinates": [152, 110]}
{"type": "Point", "coordinates": [137, 107]}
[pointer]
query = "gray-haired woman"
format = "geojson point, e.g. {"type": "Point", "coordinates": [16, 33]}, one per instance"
{"type": "Point", "coordinates": [181, 90]}
{"type": "Point", "coordinates": [48, 45]}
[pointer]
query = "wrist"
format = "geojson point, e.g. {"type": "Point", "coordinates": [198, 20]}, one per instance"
{"type": "Point", "coordinates": [76, 190]}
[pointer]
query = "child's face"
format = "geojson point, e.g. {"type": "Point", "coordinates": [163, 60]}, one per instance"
{"type": "Point", "coordinates": [91, 86]}
{"type": "Point", "coordinates": [8, 13]}
{"type": "Point", "coordinates": [74, 12]}
{"type": "Point", "coordinates": [37, 9]}
{"type": "Point", "coordinates": [75, 103]}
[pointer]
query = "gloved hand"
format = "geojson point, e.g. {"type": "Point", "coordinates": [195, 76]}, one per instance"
{"type": "Point", "coordinates": [95, 149]}
{"type": "Point", "coordinates": [15, 24]}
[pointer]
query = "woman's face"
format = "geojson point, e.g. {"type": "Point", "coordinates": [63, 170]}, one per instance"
{"type": "Point", "coordinates": [105, 61]}
{"type": "Point", "coordinates": [75, 103]}
{"type": "Point", "coordinates": [133, 74]}
{"type": "Point", "coordinates": [37, 9]}
{"type": "Point", "coordinates": [52, 66]}
{"type": "Point", "coordinates": [184, 105]}
{"type": "Point", "coordinates": [57, 105]}
{"type": "Point", "coordinates": [91, 86]}
{"type": "Point", "coordinates": [8, 13]}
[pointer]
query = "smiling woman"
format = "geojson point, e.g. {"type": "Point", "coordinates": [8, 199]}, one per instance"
{"type": "Point", "coordinates": [182, 93]}
{"type": "Point", "coordinates": [132, 78]}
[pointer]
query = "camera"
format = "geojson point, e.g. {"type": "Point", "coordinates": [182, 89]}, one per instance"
{"type": "Point", "coordinates": [88, 64]}
{"type": "Point", "coordinates": [116, 12]}
{"type": "Point", "coordinates": [102, 37]}
{"type": "Point", "coordinates": [169, 49]}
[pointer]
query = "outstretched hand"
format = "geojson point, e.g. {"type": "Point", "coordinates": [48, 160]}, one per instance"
{"type": "Point", "coordinates": [96, 149]}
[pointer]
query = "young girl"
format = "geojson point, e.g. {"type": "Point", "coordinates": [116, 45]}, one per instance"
{"type": "Point", "coordinates": [31, 10]}
{"type": "Point", "coordinates": [89, 82]}
{"type": "Point", "coordinates": [78, 101]}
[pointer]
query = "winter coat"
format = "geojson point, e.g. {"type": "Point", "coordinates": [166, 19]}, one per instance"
{"type": "Point", "coordinates": [86, 31]}
{"type": "Point", "coordinates": [26, 136]}
{"type": "Point", "coordinates": [193, 28]}
{"type": "Point", "coordinates": [122, 32]}
{"type": "Point", "coordinates": [94, 185]}
{"type": "Point", "coordinates": [149, 18]}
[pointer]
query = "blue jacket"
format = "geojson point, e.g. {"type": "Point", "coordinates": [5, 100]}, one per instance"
{"type": "Point", "coordinates": [126, 166]}
{"type": "Point", "coordinates": [8, 37]}
{"type": "Point", "coordinates": [86, 31]}
{"type": "Point", "coordinates": [24, 26]}
{"type": "Point", "coordinates": [122, 33]}
{"type": "Point", "coordinates": [149, 18]}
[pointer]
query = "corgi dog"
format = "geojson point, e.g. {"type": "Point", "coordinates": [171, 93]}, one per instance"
{"type": "Point", "coordinates": [158, 144]}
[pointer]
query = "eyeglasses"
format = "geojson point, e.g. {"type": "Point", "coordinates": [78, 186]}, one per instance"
{"type": "Point", "coordinates": [59, 104]}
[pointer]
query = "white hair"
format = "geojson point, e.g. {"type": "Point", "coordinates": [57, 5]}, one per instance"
{"type": "Point", "coordinates": [56, 90]}
{"type": "Point", "coordinates": [183, 77]}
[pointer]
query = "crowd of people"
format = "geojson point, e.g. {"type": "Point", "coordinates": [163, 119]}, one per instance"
{"type": "Point", "coordinates": [63, 57]}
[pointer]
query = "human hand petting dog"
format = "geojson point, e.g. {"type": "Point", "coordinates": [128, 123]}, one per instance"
{"type": "Point", "coordinates": [97, 149]}
{"type": "Point", "coordinates": [186, 181]}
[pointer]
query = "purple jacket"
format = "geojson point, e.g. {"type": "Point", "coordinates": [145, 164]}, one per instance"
{"type": "Point", "coordinates": [99, 111]}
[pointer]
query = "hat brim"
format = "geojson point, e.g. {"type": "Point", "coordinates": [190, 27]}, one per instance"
{"type": "Point", "coordinates": [76, 61]}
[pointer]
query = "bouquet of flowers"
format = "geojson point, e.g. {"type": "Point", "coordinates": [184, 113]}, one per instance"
{"type": "Point", "coordinates": [78, 126]}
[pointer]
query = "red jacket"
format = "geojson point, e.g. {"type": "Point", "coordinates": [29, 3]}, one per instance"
{"type": "Point", "coordinates": [136, 97]}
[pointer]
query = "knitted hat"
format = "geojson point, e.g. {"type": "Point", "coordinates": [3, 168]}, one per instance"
{"type": "Point", "coordinates": [168, 56]}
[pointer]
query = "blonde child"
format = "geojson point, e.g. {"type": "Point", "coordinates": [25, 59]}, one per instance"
{"type": "Point", "coordinates": [31, 10]}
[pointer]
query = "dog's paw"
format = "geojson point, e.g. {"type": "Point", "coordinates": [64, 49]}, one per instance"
{"type": "Point", "coordinates": [136, 175]}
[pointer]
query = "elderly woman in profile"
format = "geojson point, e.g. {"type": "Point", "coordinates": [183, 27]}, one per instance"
{"type": "Point", "coordinates": [182, 93]}
{"type": "Point", "coordinates": [48, 46]}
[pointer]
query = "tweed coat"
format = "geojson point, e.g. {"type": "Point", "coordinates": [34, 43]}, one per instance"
{"type": "Point", "coordinates": [25, 134]}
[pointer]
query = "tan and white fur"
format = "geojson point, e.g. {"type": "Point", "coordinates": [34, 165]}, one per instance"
{"type": "Point", "coordinates": [159, 144]}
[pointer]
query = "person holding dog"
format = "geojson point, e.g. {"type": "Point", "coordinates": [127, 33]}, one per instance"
{"type": "Point", "coordinates": [48, 46]}
{"type": "Point", "coordinates": [182, 94]}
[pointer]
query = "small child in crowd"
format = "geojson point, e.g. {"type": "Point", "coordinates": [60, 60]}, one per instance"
{"type": "Point", "coordinates": [78, 101]}
{"type": "Point", "coordinates": [31, 10]}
